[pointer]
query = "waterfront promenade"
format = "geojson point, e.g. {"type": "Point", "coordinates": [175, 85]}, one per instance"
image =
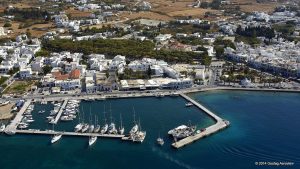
{"type": "Point", "coordinates": [220, 124]}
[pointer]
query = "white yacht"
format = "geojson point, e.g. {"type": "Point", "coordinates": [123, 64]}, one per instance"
{"type": "Point", "coordinates": [85, 128]}
{"type": "Point", "coordinates": [182, 127]}
{"type": "Point", "coordinates": [55, 138]}
{"type": "Point", "coordinates": [78, 127]}
{"type": "Point", "coordinates": [92, 140]}
{"type": "Point", "coordinates": [104, 129]}
{"type": "Point", "coordinates": [97, 128]}
{"type": "Point", "coordinates": [112, 129]}
{"type": "Point", "coordinates": [134, 129]}
{"type": "Point", "coordinates": [91, 128]}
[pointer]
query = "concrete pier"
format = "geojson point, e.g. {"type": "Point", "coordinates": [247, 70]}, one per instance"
{"type": "Point", "coordinates": [12, 127]}
{"type": "Point", "coordinates": [51, 132]}
{"type": "Point", "coordinates": [220, 124]}
{"type": "Point", "coordinates": [60, 111]}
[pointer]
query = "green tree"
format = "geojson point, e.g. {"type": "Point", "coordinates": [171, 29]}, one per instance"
{"type": "Point", "coordinates": [47, 69]}
{"type": "Point", "coordinates": [206, 60]}
{"type": "Point", "coordinates": [7, 24]}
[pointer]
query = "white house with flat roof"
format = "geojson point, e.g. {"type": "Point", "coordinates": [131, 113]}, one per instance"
{"type": "Point", "coordinates": [25, 72]}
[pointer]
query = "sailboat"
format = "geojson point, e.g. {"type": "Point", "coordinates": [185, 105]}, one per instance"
{"type": "Point", "coordinates": [79, 126]}
{"type": "Point", "coordinates": [112, 127]}
{"type": "Point", "coordinates": [91, 126]}
{"type": "Point", "coordinates": [85, 126]}
{"type": "Point", "coordinates": [56, 137]}
{"type": "Point", "coordinates": [121, 128]}
{"type": "Point", "coordinates": [140, 135]}
{"type": "Point", "coordinates": [97, 126]}
{"type": "Point", "coordinates": [135, 128]}
{"type": "Point", "coordinates": [105, 126]}
{"type": "Point", "coordinates": [92, 140]}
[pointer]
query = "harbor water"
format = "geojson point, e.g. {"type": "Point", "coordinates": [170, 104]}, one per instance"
{"type": "Point", "coordinates": [264, 128]}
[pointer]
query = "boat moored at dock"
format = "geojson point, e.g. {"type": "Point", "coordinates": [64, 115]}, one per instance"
{"type": "Point", "coordinates": [55, 138]}
{"type": "Point", "coordinates": [92, 140]}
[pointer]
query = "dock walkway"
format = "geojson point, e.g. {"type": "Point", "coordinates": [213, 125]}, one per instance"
{"type": "Point", "coordinates": [220, 124]}
{"type": "Point", "coordinates": [12, 127]}
{"type": "Point", "coordinates": [51, 132]}
{"type": "Point", "coordinates": [60, 111]}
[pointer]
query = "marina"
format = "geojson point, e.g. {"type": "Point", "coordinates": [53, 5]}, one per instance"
{"type": "Point", "coordinates": [66, 110]}
{"type": "Point", "coordinates": [157, 117]}
{"type": "Point", "coordinates": [135, 134]}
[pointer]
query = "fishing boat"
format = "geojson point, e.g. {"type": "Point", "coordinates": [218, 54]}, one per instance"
{"type": "Point", "coordinates": [55, 138]}
{"type": "Point", "coordinates": [92, 140]}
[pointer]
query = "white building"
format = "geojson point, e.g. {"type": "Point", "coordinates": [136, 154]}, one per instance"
{"type": "Point", "coordinates": [25, 72]}
{"type": "Point", "coordinates": [90, 85]}
{"type": "Point", "coordinates": [69, 84]}
{"type": "Point", "coordinates": [117, 63]}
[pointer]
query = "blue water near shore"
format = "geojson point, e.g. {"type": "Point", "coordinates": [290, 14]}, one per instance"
{"type": "Point", "coordinates": [264, 128]}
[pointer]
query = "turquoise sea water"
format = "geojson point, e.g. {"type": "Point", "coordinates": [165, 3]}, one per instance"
{"type": "Point", "coordinates": [264, 128]}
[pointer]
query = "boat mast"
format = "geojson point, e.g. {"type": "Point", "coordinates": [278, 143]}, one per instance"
{"type": "Point", "coordinates": [134, 116]}
{"type": "Point", "coordinates": [104, 114]}
{"type": "Point", "coordinates": [110, 113]}
{"type": "Point", "coordinates": [82, 115]}
{"type": "Point", "coordinates": [140, 127]}
{"type": "Point", "coordinates": [121, 120]}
